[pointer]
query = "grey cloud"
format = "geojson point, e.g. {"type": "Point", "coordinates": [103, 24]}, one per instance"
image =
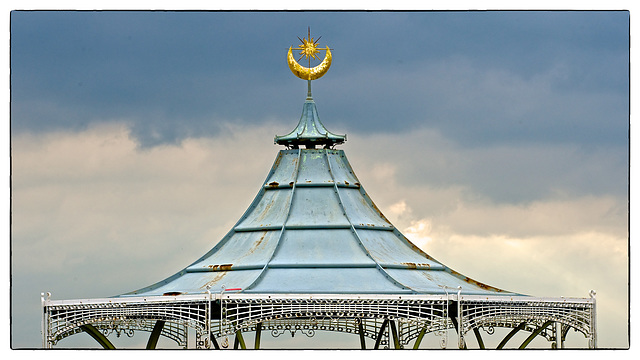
{"type": "Point", "coordinates": [514, 173]}
{"type": "Point", "coordinates": [173, 74]}
{"type": "Point", "coordinates": [476, 106]}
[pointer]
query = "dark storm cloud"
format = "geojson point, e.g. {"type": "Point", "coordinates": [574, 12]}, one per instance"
{"type": "Point", "coordinates": [494, 77]}
{"type": "Point", "coordinates": [173, 75]}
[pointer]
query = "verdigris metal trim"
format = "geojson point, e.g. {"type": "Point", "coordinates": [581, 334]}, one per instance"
{"type": "Point", "coordinates": [283, 229]}
{"type": "Point", "coordinates": [312, 265]}
{"type": "Point", "coordinates": [312, 227]}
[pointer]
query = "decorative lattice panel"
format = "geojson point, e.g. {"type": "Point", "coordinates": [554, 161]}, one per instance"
{"type": "Point", "coordinates": [126, 317]}
{"type": "Point", "coordinates": [410, 317]}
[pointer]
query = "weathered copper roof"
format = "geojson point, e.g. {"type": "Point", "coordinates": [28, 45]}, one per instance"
{"type": "Point", "coordinates": [310, 130]}
{"type": "Point", "coordinates": [312, 228]}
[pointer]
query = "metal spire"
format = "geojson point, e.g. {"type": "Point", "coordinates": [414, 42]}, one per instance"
{"type": "Point", "coordinates": [310, 131]}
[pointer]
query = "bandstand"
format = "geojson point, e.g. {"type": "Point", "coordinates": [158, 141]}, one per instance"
{"type": "Point", "coordinates": [313, 253]}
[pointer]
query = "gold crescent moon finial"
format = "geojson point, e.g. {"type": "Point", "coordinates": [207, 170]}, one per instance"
{"type": "Point", "coordinates": [306, 73]}
{"type": "Point", "coordinates": [309, 49]}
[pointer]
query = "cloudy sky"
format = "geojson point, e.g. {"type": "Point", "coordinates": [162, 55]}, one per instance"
{"type": "Point", "coordinates": [497, 141]}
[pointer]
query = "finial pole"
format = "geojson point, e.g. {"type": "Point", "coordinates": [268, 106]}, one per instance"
{"type": "Point", "coordinates": [309, 90]}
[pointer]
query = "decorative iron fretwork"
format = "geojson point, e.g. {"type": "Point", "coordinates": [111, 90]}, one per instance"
{"type": "Point", "coordinates": [389, 320]}
{"type": "Point", "coordinates": [509, 313]}
{"type": "Point", "coordinates": [125, 316]}
{"type": "Point", "coordinates": [332, 314]}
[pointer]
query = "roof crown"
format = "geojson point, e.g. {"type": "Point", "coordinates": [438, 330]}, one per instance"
{"type": "Point", "coordinates": [310, 131]}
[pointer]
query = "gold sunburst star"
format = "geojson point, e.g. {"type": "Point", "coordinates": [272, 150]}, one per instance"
{"type": "Point", "coordinates": [309, 47]}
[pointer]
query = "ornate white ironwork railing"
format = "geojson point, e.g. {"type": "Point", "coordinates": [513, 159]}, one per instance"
{"type": "Point", "coordinates": [385, 318]}
{"type": "Point", "coordinates": [63, 318]}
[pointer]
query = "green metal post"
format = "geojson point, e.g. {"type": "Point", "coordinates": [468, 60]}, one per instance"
{"type": "Point", "coordinates": [510, 335]}
{"type": "Point", "coordinates": [363, 345]}
{"type": "Point", "coordinates": [98, 336]}
{"type": "Point", "coordinates": [534, 334]}
{"type": "Point", "coordinates": [476, 332]}
{"type": "Point", "coordinates": [416, 345]}
{"type": "Point", "coordinates": [258, 332]}
{"type": "Point", "coordinates": [155, 335]}
{"type": "Point", "coordinates": [214, 342]}
{"type": "Point", "coordinates": [380, 333]}
{"type": "Point", "coordinates": [394, 334]}
{"type": "Point", "coordinates": [239, 340]}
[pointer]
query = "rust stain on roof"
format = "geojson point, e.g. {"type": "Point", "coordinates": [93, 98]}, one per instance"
{"type": "Point", "coordinates": [476, 283]}
{"type": "Point", "coordinates": [216, 279]}
{"type": "Point", "coordinates": [411, 265]}
{"type": "Point", "coordinates": [222, 267]}
{"type": "Point", "coordinates": [375, 208]}
{"type": "Point", "coordinates": [417, 249]}
{"type": "Point", "coordinates": [257, 243]}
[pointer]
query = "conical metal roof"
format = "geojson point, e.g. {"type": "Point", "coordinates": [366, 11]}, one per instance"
{"type": "Point", "coordinates": [310, 130]}
{"type": "Point", "coordinates": [312, 228]}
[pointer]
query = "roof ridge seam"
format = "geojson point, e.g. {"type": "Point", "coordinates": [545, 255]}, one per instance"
{"type": "Point", "coordinates": [284, 223]}
{"type": "Point", "coordinates": [355, 232]}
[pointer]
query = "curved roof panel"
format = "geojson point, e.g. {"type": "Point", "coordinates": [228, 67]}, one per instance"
{"type": "Point", "coordinates": [322, 247]}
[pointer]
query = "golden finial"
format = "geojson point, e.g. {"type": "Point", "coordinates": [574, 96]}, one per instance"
{"type": "Point", "coordinates": [309, 49]}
